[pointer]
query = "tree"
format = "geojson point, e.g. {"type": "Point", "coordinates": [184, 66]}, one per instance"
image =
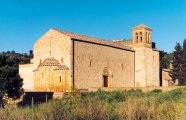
{"type": "Point", "coordinates": [184, 63]}
{"type": "Point", "coordinates": [31, 54]}
{"type": "Point", "coordinates": [184, 48]}
{"type": "Point", "coordinates": [177, 73]}
{"type": "Point", "coordinates": [10, 81]}
{"type": "Point", "coordinates": [164, 62]}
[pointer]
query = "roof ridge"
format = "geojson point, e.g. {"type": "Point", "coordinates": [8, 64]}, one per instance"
{"type": "Point", "coordinates": [142, 26]}
{"type": "Point", "coordinates": [86, 38]}
{"type": "Point", "coordinates": [78, 34]}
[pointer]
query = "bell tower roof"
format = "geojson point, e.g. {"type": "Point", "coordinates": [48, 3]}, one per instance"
{"type": "Point", "coordinates": [142, 36]}
{"type": "Point", "coordinates": [142, 26]}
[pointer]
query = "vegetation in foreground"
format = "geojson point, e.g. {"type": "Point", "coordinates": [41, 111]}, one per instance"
{"type": "Point", "coordinates": [125, 105]}
{"type": "Point", "coordinates": [10, 80]}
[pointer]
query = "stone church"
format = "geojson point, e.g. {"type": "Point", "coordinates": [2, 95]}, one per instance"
{"type": "Point", "coordinates": [65, 60]}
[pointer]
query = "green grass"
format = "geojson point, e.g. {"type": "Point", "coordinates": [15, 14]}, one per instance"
{"type": "Point", "coordinates": [121, 105]}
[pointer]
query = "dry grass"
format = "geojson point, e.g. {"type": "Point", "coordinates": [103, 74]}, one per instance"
{"type": "Point", "coordinates": [122, 105]}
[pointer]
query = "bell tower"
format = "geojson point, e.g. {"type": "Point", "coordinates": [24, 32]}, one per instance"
{"type": "Point", "coordinates": [142, 36]}
{"type": "Point", "coordinates": [146, 57]}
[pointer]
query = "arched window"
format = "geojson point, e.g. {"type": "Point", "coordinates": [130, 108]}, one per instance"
{"type": "Point", "coordinates": [147, 40]}
{"type": "Point", "coordinates": [60, 79]}
{"type": "Point", "coordinates": [90, 63]}
{"type": "Point", "coordinates": [136, 37]}
{"type": "Point", "coordinates": [141, 38]}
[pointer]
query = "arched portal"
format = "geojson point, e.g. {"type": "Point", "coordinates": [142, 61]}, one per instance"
{"type": "Point", "coordinates": [107, 77]}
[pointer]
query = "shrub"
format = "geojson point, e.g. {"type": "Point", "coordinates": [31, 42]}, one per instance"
{"type": "Point", "coordinates": [156, 91]}
{"type": "Point", "coordinates": [101, 105]}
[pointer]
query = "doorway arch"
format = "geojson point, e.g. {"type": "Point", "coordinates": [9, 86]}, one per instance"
{"type": "Point", "coordinates": [107, 77]}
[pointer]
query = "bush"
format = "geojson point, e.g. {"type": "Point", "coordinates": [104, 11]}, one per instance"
{"type": "Point", "coordinates": [156, 91]}
{"type": "Point", "coordinates": [101, 105]}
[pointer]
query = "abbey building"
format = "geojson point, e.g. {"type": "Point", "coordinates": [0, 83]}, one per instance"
{"type": "Point", "coordinates": [64, 60]}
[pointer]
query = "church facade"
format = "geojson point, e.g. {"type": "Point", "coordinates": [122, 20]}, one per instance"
{"type": "Point", "coordinates": [65, 60]}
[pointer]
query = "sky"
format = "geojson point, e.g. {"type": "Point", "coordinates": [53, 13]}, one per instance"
{"type": "Point", "coordinates": [23, 22]}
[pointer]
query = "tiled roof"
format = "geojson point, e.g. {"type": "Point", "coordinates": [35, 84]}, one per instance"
{"type": "Point", "coordinates": [50, 61]}
{"type": "Point", "coordinates": [142, 26]}
{"type": "Point", "coordinates": [124, 42]}
{"type": "Point", "coordinates": [93, 40]}
{"type": "Point", "coordinates": [62, 67]}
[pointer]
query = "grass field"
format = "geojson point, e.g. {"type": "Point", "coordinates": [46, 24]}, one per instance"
{"type": "Point", "coordinates": [122, 105]}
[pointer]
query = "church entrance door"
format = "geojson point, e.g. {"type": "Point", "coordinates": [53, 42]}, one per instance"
{"type": "Point", "coordinates": [105, 81]}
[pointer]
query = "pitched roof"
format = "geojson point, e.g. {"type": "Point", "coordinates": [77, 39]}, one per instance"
{"type": "Point", "coordinates": [50, 61]}
{"type": "Point", "coordinates": [62, 67]}
{"type": "Point", "coordinates": [94, 40]}
{"type": "Point", "coordinates": [142, 26]}
{"type": "Point", "coordinates": [124, 42]}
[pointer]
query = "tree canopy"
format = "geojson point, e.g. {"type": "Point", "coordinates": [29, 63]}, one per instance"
{"type": "Point", "coordinates": [10, 81]}
{"type": "Point", "coordinates": [165, 60]}
{"type": "Point", "coordinates": [179, 64]}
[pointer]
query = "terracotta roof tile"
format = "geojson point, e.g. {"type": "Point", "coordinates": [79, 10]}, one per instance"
{"type": "Point", "coordinates": [123, 42]}
{"type": "Point", "coordinates": [50, 61]}
{"type": "Point", "coordinates": [62, 67]}
{"type": "Point", "coordinates": [94, 40]}
{"type": "Point", "coordinates": [142, 26]}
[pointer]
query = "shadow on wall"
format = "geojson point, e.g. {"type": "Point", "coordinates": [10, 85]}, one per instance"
{"type": "Point", "coordinates": [32, 98]}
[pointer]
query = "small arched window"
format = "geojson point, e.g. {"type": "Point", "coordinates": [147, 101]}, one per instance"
{"type": "Point", "coordinates": [136, 37]}
{"type": "Point", "coordinates": [90, 63]}
{"type": "Point", "coordinates": [147, 37]}
{"type": "Point", "coordinates": [60, 78]}
{"type": "Point", "coordinates": [141, 38]}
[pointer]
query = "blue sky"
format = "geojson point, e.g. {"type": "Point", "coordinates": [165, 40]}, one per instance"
{"type": "Point", "coordinates": [22, 22]}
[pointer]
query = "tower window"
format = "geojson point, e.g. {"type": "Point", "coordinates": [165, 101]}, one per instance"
{"type": "Point", "coordinates": [136, 37]}
{"type": "Point", "coordinates": [149, 38]}
{"type": "Point", "coordinates": [141, 38]}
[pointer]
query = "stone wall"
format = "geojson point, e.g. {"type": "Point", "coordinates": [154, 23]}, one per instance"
{"type": "Point", "coordinates": [147, 67]}
{"type": "Point", "coordinates": [50, 80]}
{"type": "Point", "coordinates": [140, 73]}
{"type": "Point", "coordinates": [166, 78]}
{"type": "Point", "coordinates": [92, 59]}
{"type": "Point", "coordinates": [95, 59]}
{"type": "Point", "coordinates": [26, 73]}
{"type": "Point", "coordinates": [57, 45]}
{"type": "Point", "coordinates": [156, 68]}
